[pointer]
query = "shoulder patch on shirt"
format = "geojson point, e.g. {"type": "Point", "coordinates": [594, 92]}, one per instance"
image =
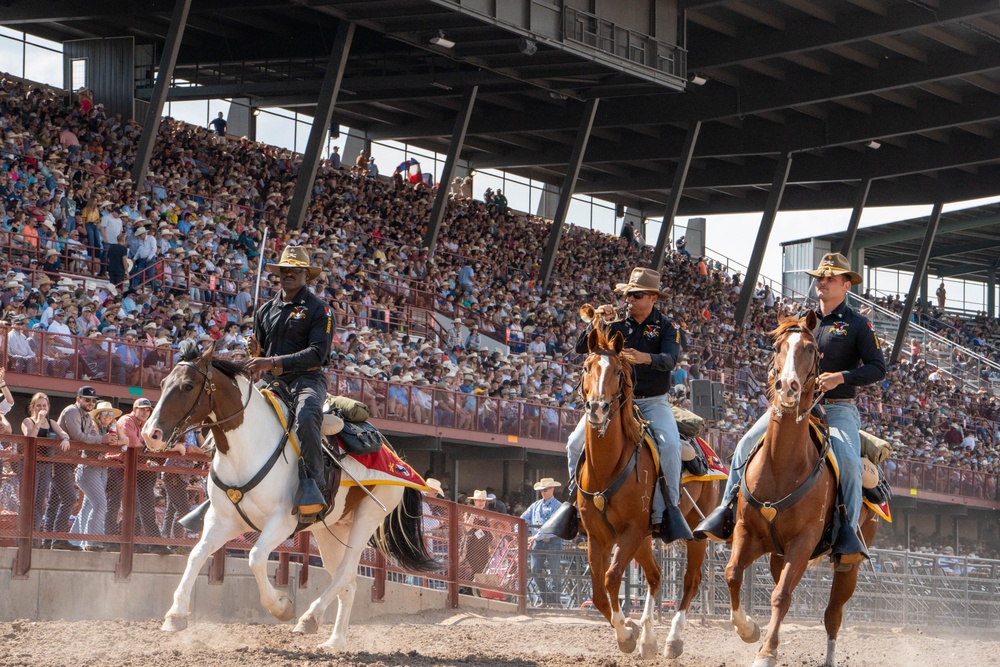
{"type": "Point", "coordinates": [839, 329]}
{"type": "Point", "coordinates": [878, 345]}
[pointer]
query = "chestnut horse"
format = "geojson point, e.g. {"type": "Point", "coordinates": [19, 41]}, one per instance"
{"type": "Point", "coordinates": [614, 456]}
{"type": "Point", "coordinates": [787, 463]}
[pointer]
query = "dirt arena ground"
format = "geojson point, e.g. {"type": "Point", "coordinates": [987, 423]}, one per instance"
{"type": "Point", "coordinates": [453, 639]}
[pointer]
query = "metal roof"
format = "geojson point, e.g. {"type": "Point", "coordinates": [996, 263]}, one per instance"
{"type": "Point", "coordinates": [966, 245]}
{"type": "Point", "coordinates": [822, 79]}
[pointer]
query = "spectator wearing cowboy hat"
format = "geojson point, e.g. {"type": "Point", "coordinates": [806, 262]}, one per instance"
{"type": "Point", "coordinates": [850, 357]}
{"type": "Point", "coordinates": [541, 543]}
{"type": "Point", "coordinates": [93, 479]}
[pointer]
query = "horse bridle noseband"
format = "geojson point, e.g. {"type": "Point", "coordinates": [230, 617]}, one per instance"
{"type": "Point", "coordinates": [618, 398]}
{"type": "Point", "coordinates": [208, 387]}
{"type": "Point", "coordinates": [776, 410]}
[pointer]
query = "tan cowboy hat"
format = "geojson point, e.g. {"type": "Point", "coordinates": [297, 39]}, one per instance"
{"type": "Point", "coordinates": [434, 486]}
{"type": "Point", "coordinates": [546, 483]}
{"type": "Point", "coordinates": [480, 494]}
{"type": "Point", "coordinates": [295, 257]}
{"type": "Point", "coordinates": [835, 264]}
{"type": "Point", "coordinates": [643, 279]}
{"type": "Point", "coordinates": [105, 406]}
{"type": "Point", "coordinates": [163, 341]}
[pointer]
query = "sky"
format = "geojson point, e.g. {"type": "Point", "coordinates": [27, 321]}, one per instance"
{"type": "Point", "coordinates": [728, 237]}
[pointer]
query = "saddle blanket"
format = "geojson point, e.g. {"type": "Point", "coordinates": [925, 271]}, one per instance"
{"type": "Point", "coordinates": [881, 509]}
{"type": "Point", "coordinates": [716, 468]}
{"type": "Point", "coordinates": [381, 467]}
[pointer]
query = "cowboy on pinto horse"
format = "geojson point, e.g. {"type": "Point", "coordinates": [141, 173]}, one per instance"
{"type": "Point", "coordinates": [851, 357]}
{"type": "Point", "coordinates": [652, 346]}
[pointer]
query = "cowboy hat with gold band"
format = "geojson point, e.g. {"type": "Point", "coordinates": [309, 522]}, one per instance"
{"type": "Point", "coordinates": [643, 279]}
{"type": "Point", "coordinates": [835, 264]}
{"type": "Point", "coordinates": [295, 257]}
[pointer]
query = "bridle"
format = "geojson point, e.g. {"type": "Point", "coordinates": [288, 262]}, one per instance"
{"type": "Point", "coordinates": [618, 398]}
{"type": "Point", "coordinates": [776, 409]}
{"type": "Point", "coordinates": [208, 387]}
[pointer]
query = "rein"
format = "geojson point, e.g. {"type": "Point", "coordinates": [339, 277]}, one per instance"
{"type": "Point", "coordinates": [207, 388]}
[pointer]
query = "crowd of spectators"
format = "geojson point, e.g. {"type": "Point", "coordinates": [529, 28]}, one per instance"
{"type": "Point", "coordinates": [178, 260]}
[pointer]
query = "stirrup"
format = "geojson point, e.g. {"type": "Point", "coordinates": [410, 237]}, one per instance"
{"type": "Point", "coordinates": [564, 522]}
{"type": "Point", "coordinates": [195, 519]}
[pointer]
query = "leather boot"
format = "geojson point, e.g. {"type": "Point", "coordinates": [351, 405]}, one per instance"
{"type": "Point", "coordinates": [673, 527]}
{"type": "Point", "coordinates": [195, 519]}
{"type": "Point", "coordinates": [564, 522]}
{"type": "Point", "coordinates": [310, 498]}
{"type": "Point", "coordinates": [719, 524]}
{"type": "Point", "coordinates": [848, 549]}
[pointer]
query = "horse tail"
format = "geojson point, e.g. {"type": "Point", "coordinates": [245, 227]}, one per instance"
{"type": "Point", "coordinates": [401, 535]}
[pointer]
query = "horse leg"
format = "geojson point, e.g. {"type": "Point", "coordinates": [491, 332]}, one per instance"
{"type": "Point", "coordinates": [776, 563]}
{"type": "Point", "coordinates": [841, 591]}
{"type": "Point", "coordinates": [626, 631]}
{"type": "Point", "coordinates": [692, 582]}
{"type": "Point", "coordinates": [331, 548]}
{"type": "Point", "coordinates": [597, 559]}
{"type": "Point", "coordinates": [213, 537]}
{"type": "Point", "coordinates": [275, 531]}
{"type": "Point", "coordinates": [368, 516]}
{"type": "Point", "coordinates": [796, 561]}
{"type": "Point", "coordinates": [647, 561]}
{"type": "Point", "coordinates": [745, 551]}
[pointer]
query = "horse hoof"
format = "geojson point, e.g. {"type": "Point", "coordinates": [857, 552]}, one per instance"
{"type": "Point", "coordinates": [332, 646]}
{"type": "Point", "coordinates": [174, 624]}
{"type": "Point", "coordinates": [752, 637]}
{"type": "Point", "coordinates": [647, 650]}
{"type": "Point", "coordinates": [767, 661]}
{"type": "Point", "coordinates": [307, 625]}
{"type": "Point", "coordinates": [284, 610]}
{"type": "Point", "coordinates": [673, 649]}
{"type": "Point", "coordinates": [629, 644]}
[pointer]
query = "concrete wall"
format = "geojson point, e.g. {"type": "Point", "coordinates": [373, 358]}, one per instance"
{"type": "Point", "coordinates": [81, 586]}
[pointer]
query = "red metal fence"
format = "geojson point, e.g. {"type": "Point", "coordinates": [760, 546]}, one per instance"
{"type": "Point", "coordinates": [100, 498]}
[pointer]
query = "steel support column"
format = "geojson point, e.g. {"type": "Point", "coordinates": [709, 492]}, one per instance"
{"type": "Point", "coordinates": [171, 47]}
{"type": "Point", "coordinates": [444, 181]}
{"type": "Point", "coordinates": [763, 234]}
{"type": "Point", "coordinates": [566, 193]}
{"type": "Point", "coordinates": [852, 227]}
{"type": "Point", "coordinates": [919, 272]}
{"type": "Point", "coordinates": [676, 190]}
{"type": "Point", "coordinates": [991, 290]}
{"type": "Point", "coordinates": [321, 124]}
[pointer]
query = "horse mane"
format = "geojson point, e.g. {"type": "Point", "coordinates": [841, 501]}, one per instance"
{"type": "Point", "coordinates": [231, 369]}
{"type": "Point", "coordinates": [630, 425]}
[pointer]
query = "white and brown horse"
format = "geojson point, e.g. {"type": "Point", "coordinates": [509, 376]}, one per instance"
{"type": "Point", "coordinates": [249, 438]}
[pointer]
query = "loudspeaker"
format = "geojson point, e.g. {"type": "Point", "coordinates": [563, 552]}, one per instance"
{"type": "Point", "coordinates": [707, 400]}
{"type": "Point", "coordinates": [619, 210]}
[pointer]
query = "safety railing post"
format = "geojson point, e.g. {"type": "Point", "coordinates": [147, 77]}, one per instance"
{"type": "Point", "coordinates": [26, 517]}
{"type": "Point", "coordinates": [452, 555]}
{"type": "Point", "coordinates": [123, 571]}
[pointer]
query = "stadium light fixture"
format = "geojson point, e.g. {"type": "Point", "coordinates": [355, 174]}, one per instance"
{"type": "Point", "coordinates": [442, 41]}
{"type": "Point", "coordinates": [874, 145]}
{"type": "Point", "coordinates": [698, 79]}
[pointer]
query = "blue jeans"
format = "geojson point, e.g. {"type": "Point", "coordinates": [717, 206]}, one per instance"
{"type": "Point", "coordinates": [845, 422]}
{"type": "Point", "coordinates": [668, 446]}
{"type": "Point", "coordinates": [93, 481]}
{"type": "Point", "coordinates": [550, 588]}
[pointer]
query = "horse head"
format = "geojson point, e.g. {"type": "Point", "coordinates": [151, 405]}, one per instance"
{"type": "Point", "coordinates": [189, 395]}
{"type": "Point", "coordinates": [796, 361]}
{"type": "Point", "coordinates": [606, 384]}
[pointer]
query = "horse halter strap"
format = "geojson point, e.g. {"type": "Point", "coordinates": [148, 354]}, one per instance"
{"type": "Point", "coordinates": [208, 387]}
{"type": "Point", "coordinates": [813, 374]}
{"type": "Point", "coordinates": [619, 398]}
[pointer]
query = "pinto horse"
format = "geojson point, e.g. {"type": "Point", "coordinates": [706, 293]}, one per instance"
{"type": "Point", "coordinates": [249, 439]}
{"type": "Point", "coordinates": [795, 495]}
{"type": "Point", "coordinates": [615, 493]}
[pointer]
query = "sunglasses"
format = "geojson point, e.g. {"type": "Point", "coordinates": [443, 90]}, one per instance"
{"type": "Point", "coordinates": [637, 296]}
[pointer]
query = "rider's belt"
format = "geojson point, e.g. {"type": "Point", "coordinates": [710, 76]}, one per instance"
{"type": "Point", "coordinates": [837, 400]}
{"type": "Point", "coordinates": [645, 396]}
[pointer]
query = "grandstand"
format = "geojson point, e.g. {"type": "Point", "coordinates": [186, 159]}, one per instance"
{"type": "Point", "coordinates": [415, 322]}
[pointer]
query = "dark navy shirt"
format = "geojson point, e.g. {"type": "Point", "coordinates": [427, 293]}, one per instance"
{"type": "Point", "coordinates": [657, 336]}
{"type": "Point", "coordinates": [849, 346]}
{"type": "Point", "coordinates": [300, 332]}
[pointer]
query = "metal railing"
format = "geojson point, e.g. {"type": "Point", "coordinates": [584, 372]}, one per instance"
{"type": "Point", "coordinates": [41, 489]}
{"type": "Point", "coordinates": [630, 45]}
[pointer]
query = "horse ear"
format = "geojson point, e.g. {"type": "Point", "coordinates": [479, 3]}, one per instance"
{"type": "Point", "coordinates": [206, 356]}
{"type": "Point", "coordinates": [592, 340]}
{"type": "Point", "coordinates": [618, 342]}
{"type": "Point", "coordinates": [810, 320]}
